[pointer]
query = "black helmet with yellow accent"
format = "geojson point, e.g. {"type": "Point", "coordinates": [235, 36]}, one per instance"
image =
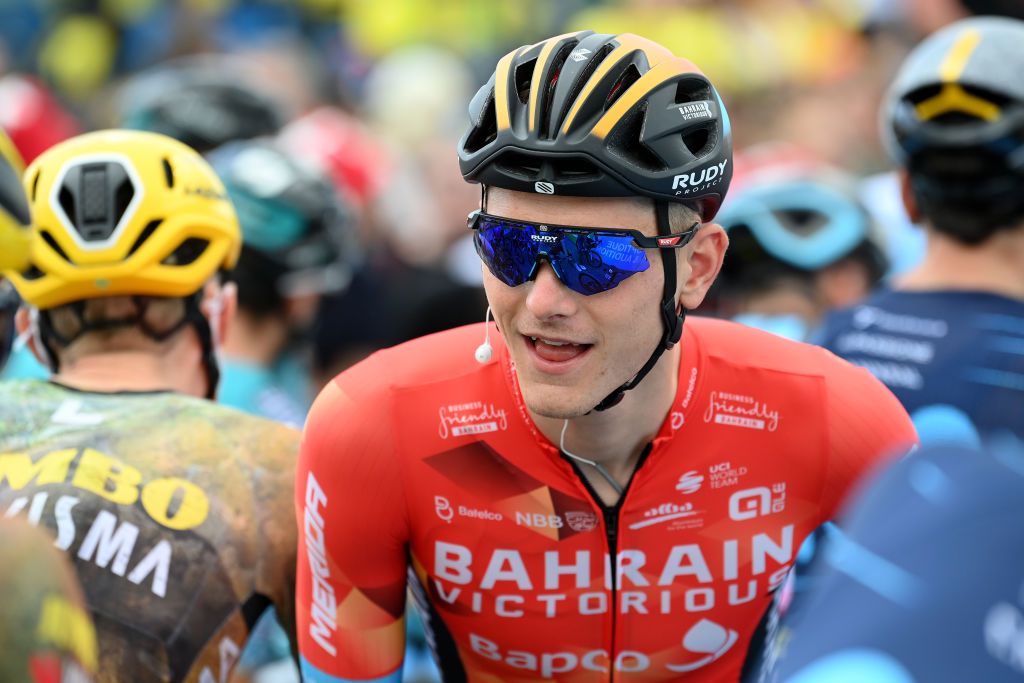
{"type": "Point", "coordinates": [954, 119]}
{"type": "Point", "coordinates": [125, 213]}
{"type": "Point", "coordinates": [14, 216]}
{"type": "Point", "coordinates": [599, 115]}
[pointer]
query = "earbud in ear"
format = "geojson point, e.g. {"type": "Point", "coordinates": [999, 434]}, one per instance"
{"type": "Point", "coordinates": [485, 351]}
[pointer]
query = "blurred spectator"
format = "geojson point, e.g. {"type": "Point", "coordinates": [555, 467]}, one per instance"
{"type": "Point", "coordinates": [298, 246]}
{"type": "Point", "coordinates": [947, 336]}
{"type": "Point", "coordinates": [800, 243]}
{"type": "Point", "coordinates": [204, 102]}
{"type": "Point", "coordinates": [924, 585]}
{"type": "Point", "coordinates": [33, 116]}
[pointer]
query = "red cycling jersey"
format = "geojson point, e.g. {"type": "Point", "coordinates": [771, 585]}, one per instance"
{"type": "Point", "coordinates": [422, 463]}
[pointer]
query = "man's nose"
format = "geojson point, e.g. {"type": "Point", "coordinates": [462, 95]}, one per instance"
{"type": "Point", "coordinates": [548, 297]}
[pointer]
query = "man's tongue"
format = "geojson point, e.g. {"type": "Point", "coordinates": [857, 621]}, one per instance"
{"type": "Point", "coordinates": [558, 353]}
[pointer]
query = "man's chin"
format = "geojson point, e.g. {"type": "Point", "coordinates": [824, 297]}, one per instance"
{"type": "Point", "coordinates": [561, 405]}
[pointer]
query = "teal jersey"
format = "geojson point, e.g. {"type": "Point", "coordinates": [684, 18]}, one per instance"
{"type": "Point", "coordinates": [254, 389]}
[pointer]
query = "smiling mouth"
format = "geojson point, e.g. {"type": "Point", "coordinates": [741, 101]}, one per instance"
{"type": "Point", "coordinates": [556, 350]}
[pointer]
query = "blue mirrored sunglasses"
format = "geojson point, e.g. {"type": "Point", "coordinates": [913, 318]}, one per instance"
{"type": "Point", "coordinates": [586, 260]}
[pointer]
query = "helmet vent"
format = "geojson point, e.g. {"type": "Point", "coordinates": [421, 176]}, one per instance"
{"type": "Point", "coordinates": [574, 169]}
{"type": "Point", "coordinates": [145, 235]}
{"type": "Point", "coordinates": [187, 252]}
{"type": "Point", "coordinates": [624, 141]}
{"type": "Point", "coordinates": [692, 90]}
{"type": "Point", "coordinates": [581, 81]}
{"type": "Point", "coordinates": [696, 141]}
{"type": "Point", "coordinates": [802, 222]}
{"type": "Point", "coordinates": [35, 185]}
{"type": "Point", "coordinates": [524, 76]}
{"type": "Point", "coordinates": [484, 133]}
{"type": "Point", "coordinates": [518, 164]}
{"type": "Point", "coordinates": [556, 70]}
{"type": "Point", "coordinates": [48, 238]}
{"type": "Point", "coordinates": [955, 116]}
{"type": "Point", "coordinates": [168, 173]}
{"type": "Point", "coordinates": [629, 76]}
{"type": "Point", "coordinates": [95, 197]}
{"type": "Point", "coordinates": [33, 273]}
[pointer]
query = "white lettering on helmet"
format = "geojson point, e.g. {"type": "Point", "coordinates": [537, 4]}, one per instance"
{"type": "Point", "coordinates": [705, 175]}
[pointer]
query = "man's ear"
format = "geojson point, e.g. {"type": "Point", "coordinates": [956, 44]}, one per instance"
{"type": "Point", "coordinates": [907, 194]}
{"type": "Point", "coordinates": [23, 324]}
{"type": "Point", "coordinates": [703, 259]}
{"type": "Point", "coordinates": [220, 302]}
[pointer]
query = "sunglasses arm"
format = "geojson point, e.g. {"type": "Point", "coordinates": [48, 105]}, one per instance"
{"type": "Point", "coordinates": [675, 240]}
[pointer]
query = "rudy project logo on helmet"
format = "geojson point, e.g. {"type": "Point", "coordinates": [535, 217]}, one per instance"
{"type": "Point", "coordinates": [579, 54]}
{"type": "Point", "coordinates": [685, 183]}
{"type": "Point", "coordinates": [544, 188]}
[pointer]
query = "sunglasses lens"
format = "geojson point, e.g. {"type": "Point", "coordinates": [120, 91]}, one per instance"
{"type": "Point", "coordinates": [507, 251]}
{"type": "Point", "coordinates": [593, 262]}
{"type": "Point", "coordinates": [586, 261]}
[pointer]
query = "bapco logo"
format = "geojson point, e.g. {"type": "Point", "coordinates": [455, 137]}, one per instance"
{"type": "Point", "coordinates": [689, 482]}
{"type": "Point", "coordinates": [544, 188]}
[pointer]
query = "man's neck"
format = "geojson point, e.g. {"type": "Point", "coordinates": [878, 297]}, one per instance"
{"type": "Point", "coordinates": [615, 438]}
{"type": "Point", "coordinates": [995, 266]}
{"type": "Point", "coordinates": [254, 340]}
{"type": "Point", "coordinates": [131, 371]}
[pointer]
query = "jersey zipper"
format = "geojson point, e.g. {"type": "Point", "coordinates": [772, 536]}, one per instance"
{"type": "Point", "coordinates": [610, 513]}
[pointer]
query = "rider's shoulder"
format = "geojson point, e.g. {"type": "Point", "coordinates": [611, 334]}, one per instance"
{"type": "Point", "coordinates": [750, 347]}
{"type": "Point", "coordinates": [435, 358]}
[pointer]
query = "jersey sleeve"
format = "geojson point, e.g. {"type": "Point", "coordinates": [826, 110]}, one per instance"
{"type": "Point", "coordinates": [867, 426]}
{"type": "Point", "coordinates": [353, 538]}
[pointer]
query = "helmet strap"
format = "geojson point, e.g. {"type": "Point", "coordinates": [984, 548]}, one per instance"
{"type": "Point", "coordinates": [194, 315]}
{"type": "Point", "coordinates": [48, 338]}
{"type": "Point", "coordinates": [672, 315]}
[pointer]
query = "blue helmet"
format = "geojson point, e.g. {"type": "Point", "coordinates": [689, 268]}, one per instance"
{"type": "Point", "coordinates": [808, 221]}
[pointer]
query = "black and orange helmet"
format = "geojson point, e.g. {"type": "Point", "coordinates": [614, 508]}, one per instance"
{"type": "Point", "coordinates": [600, 115]}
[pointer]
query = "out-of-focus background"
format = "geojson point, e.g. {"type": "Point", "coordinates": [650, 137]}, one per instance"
{"type": "Point", "coordinates": [368, 99]}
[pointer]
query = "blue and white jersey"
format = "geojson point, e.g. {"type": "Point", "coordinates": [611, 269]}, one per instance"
{"type": "Point", "coordinates": [926, 585]}
{"type": "Point", "coordinates": [955, 359]}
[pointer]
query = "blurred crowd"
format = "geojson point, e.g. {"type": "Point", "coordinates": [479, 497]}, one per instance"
{"type": "Point", "coordinates": [371, 98]}
{"type": "Point", "coordinates": [335, 122]}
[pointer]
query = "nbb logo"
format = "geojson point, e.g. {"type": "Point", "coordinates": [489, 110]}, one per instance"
{"type": "Point", "coordinates": [539, 521]}
{"type": "Point", "coordinates": [172, 502]}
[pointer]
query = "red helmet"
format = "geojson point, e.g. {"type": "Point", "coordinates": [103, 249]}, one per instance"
{"type": "Point", "coordinates": [341, 147]}
{"type": "Point", "coordinates": [33, 117]}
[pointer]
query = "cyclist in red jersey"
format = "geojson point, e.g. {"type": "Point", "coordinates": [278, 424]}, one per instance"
{"type": "Point", "coordinates": [600, 494]}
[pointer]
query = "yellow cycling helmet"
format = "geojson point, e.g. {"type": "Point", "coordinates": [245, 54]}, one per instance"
{"type": "Point", "coordinates": [122, 212]}
{"type": "Point", "coordinates": [14, 216]}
